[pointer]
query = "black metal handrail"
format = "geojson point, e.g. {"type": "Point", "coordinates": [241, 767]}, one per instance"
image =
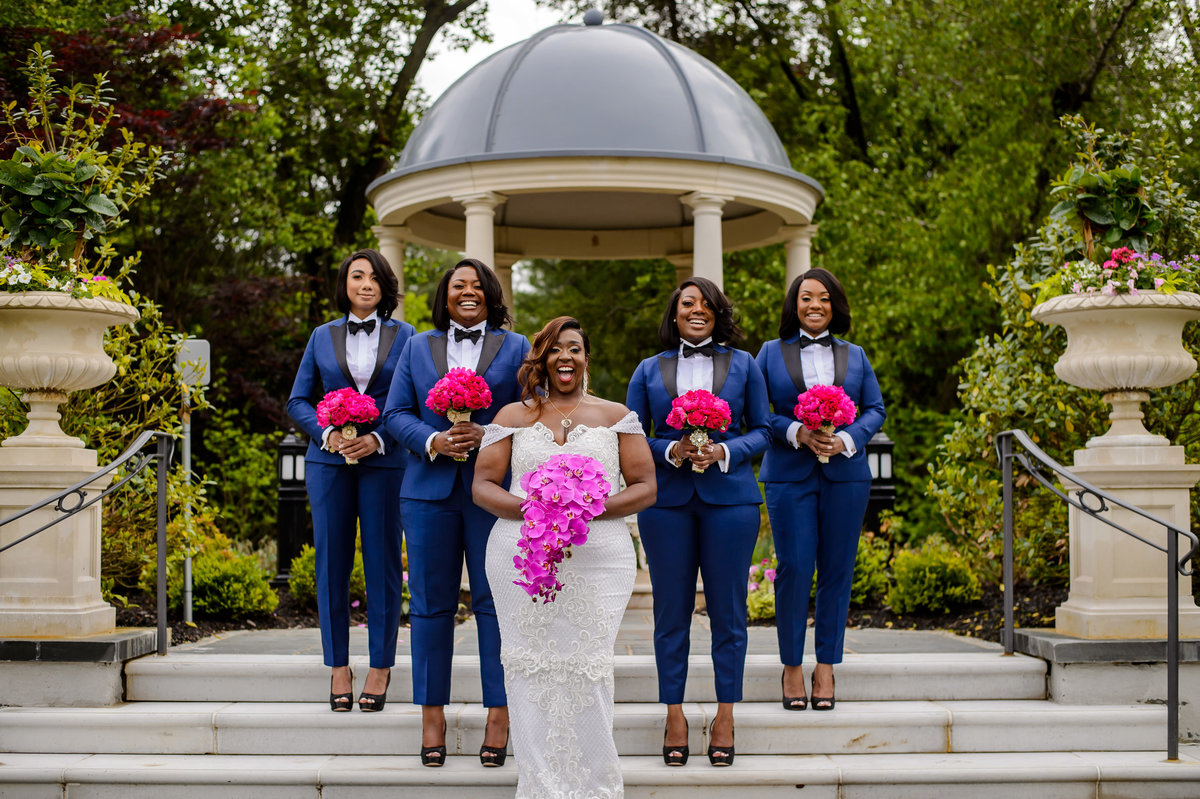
{"type": "Point", "coordinates": [74, 499]}
{"type": "Point", "coordinates": [1034, 460]}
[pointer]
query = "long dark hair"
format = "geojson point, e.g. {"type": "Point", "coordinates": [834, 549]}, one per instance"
{"type": "Point", "coordinates": [789, 320]}
{"type": "Point", "coordinates": [724, 331]}
{"type": "Point", "coordinates": [493, 295]}
{"type": "Point", "coordinates": [389, 286]}
{"type": "Point", "coordinates": [533, 371]}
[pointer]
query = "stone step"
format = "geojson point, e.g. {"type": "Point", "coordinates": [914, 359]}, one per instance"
{"type": "Point", "coordinates": [1050, 775]}
{"type": "Point", "coordinates": [276, 728]}
{"type": "Point", "coordinates": [206, 677]}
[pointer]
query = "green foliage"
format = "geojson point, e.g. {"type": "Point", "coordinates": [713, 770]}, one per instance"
{"type": "Point", "coordinates": [871, 578]}
{"type": "Point", "coordinates": [933, 578]}
{"type": "Point", "coordinates": [1009, 382]}
{"type": "Point", "coordinates": [226, 584]}
{"type": "Point", "coordinates": [62, 186]}
{"type": "Point", "coordinates": [302, 581]}
{"type": "Point", "coordinates": [760, 596]}
{"type": "Point", "coordinates": [244, 483]}
{"type": "Point", "coordinates": [1102, 195]}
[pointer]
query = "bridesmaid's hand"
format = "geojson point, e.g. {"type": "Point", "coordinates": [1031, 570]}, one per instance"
{"type": "Point", "coordinates": [356, 448]}
{"type": "Point", "coordinates": [458, 440]}
{"type": "Point", "coordinates": [702, 457]}
{"type": "Point", "coordinates": [820, 443]}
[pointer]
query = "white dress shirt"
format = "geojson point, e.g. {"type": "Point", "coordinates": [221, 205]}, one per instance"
{"type": "Point", "coordinates": [465, 353]}
{"type": "Point", "coordinates": [362, 350]}
{"type": "Point", "coordinates": [460, 354]}
{"type": "Point", "coordinates": [691, 374]}
{"type": "Point", "coordinates": [817, 365]}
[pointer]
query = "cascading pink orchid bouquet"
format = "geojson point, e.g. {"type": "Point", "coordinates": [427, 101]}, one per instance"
{"type": "Point", "coordinates": [825, 408]}
{"type": "Point", "coordinates": [700, 411]}
{"type": "Point", "coordinates": [343, 409]}
{"type": "Point", "coordinates": [562, 496]}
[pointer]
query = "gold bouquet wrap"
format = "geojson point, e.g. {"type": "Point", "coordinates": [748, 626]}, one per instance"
{"type": "Point", "coordinates": [827, 429]}
{"type": "Point", "coordinates": [455, 417]}
{"type": "Point", "coordinates": [349, 433]}
{"type": "Point", "coordinates": [699, 438]}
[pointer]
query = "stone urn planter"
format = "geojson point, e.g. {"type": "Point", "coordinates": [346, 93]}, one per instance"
{"type": "Point", "coordinates": [52, 344]}
{"type": "Point", "coordinates": [1122, 345]}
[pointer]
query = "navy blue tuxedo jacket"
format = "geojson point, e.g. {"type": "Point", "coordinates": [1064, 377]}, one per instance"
{"type": "Point", "coordinates": [323, 369]}
{"type": "Point", "coordinates": [409, 421]}
{"type": "Point", "coordinates": [737, 380]}
{"type": "Point", "coordinates": [779, 361]}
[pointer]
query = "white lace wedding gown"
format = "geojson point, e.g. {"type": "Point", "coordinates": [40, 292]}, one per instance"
{"type": "Point", "coordinates": [558, 656]}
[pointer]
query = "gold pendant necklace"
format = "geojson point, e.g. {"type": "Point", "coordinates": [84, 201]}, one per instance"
{"type": "Point", "coordinates": [566, 417]}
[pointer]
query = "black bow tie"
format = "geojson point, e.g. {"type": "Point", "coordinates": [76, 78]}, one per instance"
{"type": "Point", "coordinates": [703, 349]}
{"type": "Point", "coordinates": [460, 334]}
{"type": "Point", "coordinates": [823, 341]}
{"type": "Point", "coordinates": [368, 327]}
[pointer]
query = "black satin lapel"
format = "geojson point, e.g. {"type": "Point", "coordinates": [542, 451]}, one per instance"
{"type": "Point", "coordinates": [721, 362]}
{"type": "Point", "coordinates": [791, 360]}
{"type": "Point", "coordinates": [667, 368]}
{"type": "Point", "coordinates": [338, 334]}
{"type": "Point", "coordinates": [387, 334]}
{"type": "Point", "coordinates": [841, 358]}
{"type": "Point", "coordinates": [437, 349]}
{"type": "Point", "coordinates": [491, 346]}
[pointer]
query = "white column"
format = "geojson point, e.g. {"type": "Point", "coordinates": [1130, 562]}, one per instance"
{"type": "Point", "coordinates": [683, 266]}
{"type": "Point", "coordinates": [799, 252]}
{"type": "Point", "coordinates": [706, 234]}
{"type": "Point", "coordinates": [391, 245]}
{"type": "Point", "coordinates": [480, 210]}
{"type": "Point", "coordinates": [503, 266]}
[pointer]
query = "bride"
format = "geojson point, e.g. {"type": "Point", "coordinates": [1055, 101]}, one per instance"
{"type": "Point", "coordinates": [558, 656]}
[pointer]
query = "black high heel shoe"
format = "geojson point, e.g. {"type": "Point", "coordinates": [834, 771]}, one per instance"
{"type": "Point", "coordinates": [435, 756]}
{"type": "Point", "coordinates": [824, 702]}
{"type": "Point", "coordinates": [675, 755]}
{"type": "Point", "coordinates": [792, 702]}
{"type": "Point", "coordinates": [373, 703]}
{"type": "Point", "coordinates": [720, 755]}
{"type": "Point", "coordinates": [341, 703]}
{"type": "Point", "coordinates": [494, 756]}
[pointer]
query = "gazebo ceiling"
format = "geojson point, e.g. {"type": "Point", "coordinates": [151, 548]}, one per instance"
{"type": "Point", "coordinates": [589, 129]}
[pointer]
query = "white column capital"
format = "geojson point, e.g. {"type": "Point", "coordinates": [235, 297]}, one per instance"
{"type": "Point", "coordinates": [479, 200]}
{"type": "Point", "coordinates": [799, 233]}
{"type": "Point", "coordinates": [705, 202]}
{"type": "Point", "coordinates": [390, 233]}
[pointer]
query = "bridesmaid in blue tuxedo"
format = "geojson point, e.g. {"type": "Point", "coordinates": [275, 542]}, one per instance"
{"type": "Point", "coordinates": [441, 522]}
{"type": "Point", "coordinates": [360, 351]}
{"type": "Point", "coordinates": [816, 509]}
{"type": "Point", "coordinates": [707, 521]}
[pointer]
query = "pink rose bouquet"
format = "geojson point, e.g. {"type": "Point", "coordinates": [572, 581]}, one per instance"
{"type": "Point", "coordinates": [701, 411]}
{"type": "Point", "coordinates": [343, 409]}
{"type": "Point", "coordinates": [562, 496]}
{"type": "Point", "coordinates": [457, 394]}
{"type": "Point", "coordinates": [825, 408]}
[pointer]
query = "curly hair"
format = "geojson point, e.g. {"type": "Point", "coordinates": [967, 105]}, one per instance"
{"type": "Point", "coordinates": [533, 372]}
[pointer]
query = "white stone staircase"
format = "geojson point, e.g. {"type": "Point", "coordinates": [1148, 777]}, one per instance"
{"type": "Point", "coordinates": [946, 724]}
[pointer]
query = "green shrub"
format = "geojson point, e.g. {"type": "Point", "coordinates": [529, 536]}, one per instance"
{"type": "Point", "coordinates": [303, 578]}
{"type": "Point", "coordinates": [871, 580]}
{"type": "Point", "coordinates": [242, 468]}
{"type": "Point", "coordinates": [225, 583]}
{"type": "Point", "coordinates": [933, 578]}
{"type": "Point", "coordinates": [760, 597]}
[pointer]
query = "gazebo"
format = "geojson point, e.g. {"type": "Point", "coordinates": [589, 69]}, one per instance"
{"type": "Point", "coordinates": [596, 141]}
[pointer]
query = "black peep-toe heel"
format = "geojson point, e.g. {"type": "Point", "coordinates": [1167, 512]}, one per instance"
{"type": "Point", "coordinates": [434, 756]}
{"type": "Point", "coordinates": [675, 755]}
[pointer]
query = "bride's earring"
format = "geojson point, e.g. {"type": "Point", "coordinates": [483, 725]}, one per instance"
{"type": "Point", "coordinates": [585, 381]}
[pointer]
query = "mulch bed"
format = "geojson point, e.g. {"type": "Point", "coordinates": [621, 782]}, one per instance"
{"type": "Point", "coordinates": [1034, 607]}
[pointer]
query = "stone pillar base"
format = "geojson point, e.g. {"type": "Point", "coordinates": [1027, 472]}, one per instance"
{"type": "Point", "coordinates": [50, 583]}
{"type": "Point", "coordinates": [1119, 584]}
{"type": "Point", "coordinates": [1124, 618]}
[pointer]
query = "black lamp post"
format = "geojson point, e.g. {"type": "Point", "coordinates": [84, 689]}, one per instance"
{"type": "Point", "coordinates": [294, 527]}
{"type": "Point", "coordinates": [883, 481]}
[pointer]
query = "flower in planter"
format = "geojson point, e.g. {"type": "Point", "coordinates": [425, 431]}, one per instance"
{"type": "Point", "coordinates": [1123, 272]}
{"type": "Point", "coordinates": [62, 187]}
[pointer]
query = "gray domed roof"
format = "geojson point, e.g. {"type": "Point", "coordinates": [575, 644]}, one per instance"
{"type": "Point", "coordinates": [595, 90]}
